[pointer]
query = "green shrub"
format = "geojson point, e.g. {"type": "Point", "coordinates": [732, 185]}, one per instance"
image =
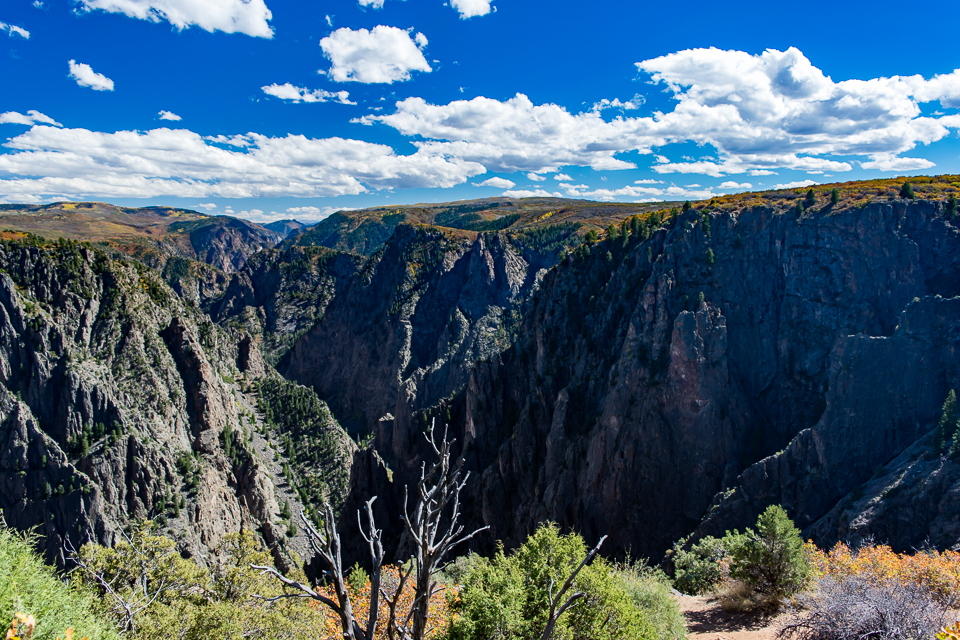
{"type": "Point", "coordinates": [507, 596]}
{"type": "Point", "coordinates": [650, 591]}
{"type": "Point", "coordinates": [184, 600]}
{"type": "Point", "coordinates": [906, 191]}
{"type": "Point", "coordinates": [810, 200]}
{"type": "Point", "coordinates": [28, 586]}
{"type": "Point", "coordinates": [699, 569]}
{"type": "Point", "coordinates": [771, 559]}
{"type": "Point", "coordinates": [835, 196]}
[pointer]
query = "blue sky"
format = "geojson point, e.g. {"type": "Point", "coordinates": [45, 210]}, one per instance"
{"type": "Point", "coordinates": [296, 109]}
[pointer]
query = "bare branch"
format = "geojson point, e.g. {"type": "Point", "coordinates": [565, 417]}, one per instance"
{"type": "Point", "coordinates": [438, 492]}
{"type": "Point", "coordinates": [555, 612]}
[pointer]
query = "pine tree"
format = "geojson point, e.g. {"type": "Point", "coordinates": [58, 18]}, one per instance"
{"type": "Point", "coordinates": [947, 426]}
{"type": "Point", "coordinates": [810, 200]}
{"type": "Point", "coordinates": [952, 207]}
{"type": "Point", "coordinates": [906, 191]}
{"type": "Point", "coordinates": [835, 196]}
{"type": "Point", "coordinates": [687, 206]}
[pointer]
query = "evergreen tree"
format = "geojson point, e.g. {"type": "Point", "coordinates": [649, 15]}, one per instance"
{"type": "Point", "coordinates": [952, 206]}
{"type": "Point", "coordinates": [687, 206]}
{"type": "Point", "coordinates": [772, 559]}
{"type": "Point", "coordinates": [799, 208]}
{"type": "Point", "coordinates": [810, 200]}
{"type": "Point", "coordinates": [835, 196]}
{"type": "Point", "coordinates": [947, 426]}
{"type": "Point", "coordinates": [906, 191]}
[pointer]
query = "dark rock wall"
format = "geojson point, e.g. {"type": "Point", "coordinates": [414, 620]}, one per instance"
{"type": "Point", "coordinates": [645, 378]}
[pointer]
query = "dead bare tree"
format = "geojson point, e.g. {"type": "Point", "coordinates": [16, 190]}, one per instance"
{"type": "Point", "coordinates": [392, 593]}
{"type": "Point", "coordinates": [438, 490]}
{"type": "Point", "coordinates": [437, 494]}
{"type": "Point", "coordinates": [326, 544]}
{"type": "Point", "coordinates": [555, 611]}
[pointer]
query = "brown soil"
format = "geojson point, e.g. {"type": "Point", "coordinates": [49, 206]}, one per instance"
{"type": "Point", "coordinates": [706, 620]}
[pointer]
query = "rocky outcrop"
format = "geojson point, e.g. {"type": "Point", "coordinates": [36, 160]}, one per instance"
{"type": "Point", "coordinates": [912, 502]}
{"type": "Point", "coordinates": [227, 243]}
{"type": "Point", "coordinates": [286, 228]}
{"type": "Point", "coordinates": [647, 375]}
{"type": "Point", "coordinates": [115, 401]}
{"type": "Point", "coordinates": [405, 329]}
{"type": "Point", "coordinates": [884, 395]}
{"type": "Point", "coordinates": [279, 295]}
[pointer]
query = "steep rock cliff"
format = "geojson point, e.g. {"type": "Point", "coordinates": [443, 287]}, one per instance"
{"type": "Point", "coordinates": [405, 329]}
{"type": "Point", "coordinates": [648, 373]}
{"type": "Point", "coordinates": [117, 400]}
{"type": "Point", "coordinates": [278, 295]}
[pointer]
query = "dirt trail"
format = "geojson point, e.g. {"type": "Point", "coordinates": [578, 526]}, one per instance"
{"type": "Point", "coordinates": [706, 620]}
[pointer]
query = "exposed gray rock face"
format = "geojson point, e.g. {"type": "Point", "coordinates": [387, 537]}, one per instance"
{"type": "Point", "coordinates": [278, 295]}
{"type": "Point", "coordinates": [404, 331]}
{"type": "Point", "coordinates": [884, 395]}
{"type": "Point", "coordinates": [911, 503]}
{"type": "Point", "coordinates": [228, 244]}
{"type": "Point", "coordinates": [114, 401]}
{"type": "Point", "coordinates": [648, 376]}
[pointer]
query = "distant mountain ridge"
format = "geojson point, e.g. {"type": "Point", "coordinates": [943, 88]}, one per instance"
{"type": "Point", "coordinates": [150, 234]}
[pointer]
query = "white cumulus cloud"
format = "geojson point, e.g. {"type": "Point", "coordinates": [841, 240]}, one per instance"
{"type": "Point", "coordinates": [515, 135]}
{"type": "Point", "coordinates": [303, 214]}
{"type": "Point", "coordinates": [531, 193]}
{"type": "Point", "coordinates": [209, 206]}
{"type": "Point", "coordinates": [230, 16]}
{"type": "Point", "coordinates": [754, 114]}
{"type": "Point", "coordinates": [635, 103]}
{"type": "Point", "coordinates": [304, 211]}
{"type": "Point", "coordinates": [79, 164]}
{"type": "Point", "coordinates": [535, 177]}
{"type": "Point", "coordinates": [87, 77]}
{"type": "Point", "coordinates": [31, 118]}
{"type": "Point", "coordinates": [562, 177]}
{"type": "Point", "coordinates": [776, 110]}
{"type": "Point", "coordinates": [296, 94]}
{"type": "Point", "coordinates": [497, 182]}
{"type": "Point", "coordinates": [169, 115]}
{"type": "Point", "coordinates": [890, 162]}
{"type": "Point", "coordinates": [376, 4]}
{"type": "Point", "coordinates": [794, 185]}
{"type": "Point", "coordinates": [471, 8]}
{"type": "Point", "coordinates": [382, 55]}
{"type": "Point", "coordinates": [13, 29]}
{"type": "Point", "coordinates": [730, 184]}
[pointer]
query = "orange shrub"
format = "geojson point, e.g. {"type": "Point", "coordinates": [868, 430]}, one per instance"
{"type": "Point", "coordinates": [440, 613]}
{"type": "Point", "coordinates": [950, 632]}
{"type": "Point", "coordinates": [939, 572]}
